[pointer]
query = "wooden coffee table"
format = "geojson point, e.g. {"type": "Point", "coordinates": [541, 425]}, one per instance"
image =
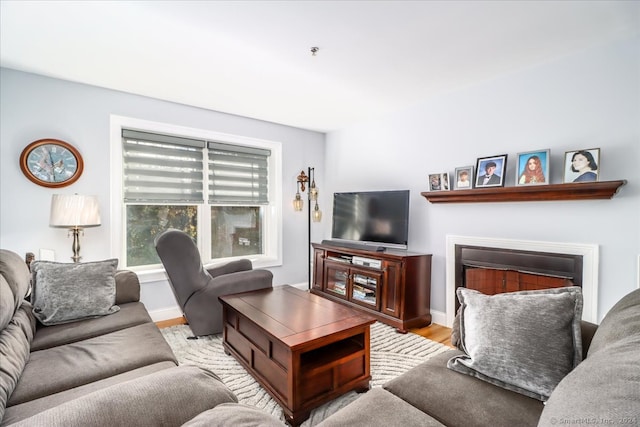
{"type": "Point", "coordinates": [303, 349]}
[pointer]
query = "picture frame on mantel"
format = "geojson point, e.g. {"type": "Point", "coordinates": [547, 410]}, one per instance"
{"type": "Point", "coordinates": [582, 165]}
{"type": "Point", "coordinates": [463, 178]}
{"type": "Point", "coordinates": [439, 181]}
{"type": "Point", "coordinates": [490, 171]}
{"type": "Point", "coordinates": [533, 168]}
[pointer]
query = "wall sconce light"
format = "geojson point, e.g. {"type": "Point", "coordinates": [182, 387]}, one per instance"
{"type": "Point", "coordinates": [76, 213]}
{"type": "Point", "coordinates": [301, 180]}
{"type": "Point", "coordinates": [298, 203]}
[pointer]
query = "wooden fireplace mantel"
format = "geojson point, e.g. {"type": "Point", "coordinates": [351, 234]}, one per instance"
{"type": "Point", "coordinates": [536, 193]}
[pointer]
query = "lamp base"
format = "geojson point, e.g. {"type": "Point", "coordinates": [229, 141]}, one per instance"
{"type": "Point", "coordinates": [75, 247]}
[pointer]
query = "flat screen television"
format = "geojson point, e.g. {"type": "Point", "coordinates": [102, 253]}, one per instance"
{"type": "Point", "coordinates": [372, 218]}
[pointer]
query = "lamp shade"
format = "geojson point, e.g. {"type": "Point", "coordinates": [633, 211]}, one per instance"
{"type": "Point", "coordinates": [74, 210]}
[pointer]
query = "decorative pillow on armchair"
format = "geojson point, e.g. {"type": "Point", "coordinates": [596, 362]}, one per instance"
{"type": "Point", "coordinates": [64, 292]}
{"type": "Point", "coordinates": [525, 341]}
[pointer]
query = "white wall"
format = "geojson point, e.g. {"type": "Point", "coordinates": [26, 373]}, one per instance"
{"type": "Point", "coordinates": [34, 107]}
{"type": "Point", "coordinates": [589, 99]}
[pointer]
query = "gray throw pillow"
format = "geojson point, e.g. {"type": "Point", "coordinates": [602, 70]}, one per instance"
{"type": "Point", "coordinates": [64, 292]}
{"type": "Point", "coordinates": [525, 341]}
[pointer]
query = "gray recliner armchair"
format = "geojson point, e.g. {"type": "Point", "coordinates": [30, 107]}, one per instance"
{"type": "Point", "coordinates": [196, 288]}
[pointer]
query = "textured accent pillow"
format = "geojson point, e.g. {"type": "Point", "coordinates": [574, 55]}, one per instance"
{"type": "Point", "coordinates": [525, 341]}
{"type": "Point", "coordinates": [64, 292]}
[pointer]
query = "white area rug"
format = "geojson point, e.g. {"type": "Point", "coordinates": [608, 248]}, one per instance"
{"type": "Point", "coordinates": [391, 355]}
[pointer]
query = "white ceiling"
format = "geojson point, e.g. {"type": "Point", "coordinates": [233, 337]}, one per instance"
{"type": "Point", "coordinates": [252, 58]}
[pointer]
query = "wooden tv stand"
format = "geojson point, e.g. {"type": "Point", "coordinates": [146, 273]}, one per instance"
{"type": "Point", "coordinates": [397, 292]}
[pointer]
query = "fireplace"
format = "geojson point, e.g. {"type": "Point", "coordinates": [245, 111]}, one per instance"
{"type": "Point", "coordinates": [496, 270]}
{"type": "Point", "coordinates": [500, 265]}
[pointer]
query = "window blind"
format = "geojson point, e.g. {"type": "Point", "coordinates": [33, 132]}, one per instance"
{"type": "Point", "coordinates": [237, 174]}
{"type": "Point", "coordinates": [162, 168]}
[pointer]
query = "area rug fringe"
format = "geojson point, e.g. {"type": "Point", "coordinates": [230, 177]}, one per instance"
{"type": "Point", "coordinates": [392, 354]}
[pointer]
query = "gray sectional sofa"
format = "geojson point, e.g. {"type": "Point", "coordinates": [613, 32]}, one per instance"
{"type": "Point", "coordinates": [603, 389]}
{"type": "Point", "coordinates": [117, 370]}
{"type": "Point", "coordinates": [114, 369]}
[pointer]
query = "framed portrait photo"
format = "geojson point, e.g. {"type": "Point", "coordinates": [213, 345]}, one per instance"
{"type": "Point", "coordinates": [533, 168]}
{"type": "Point", "coordinates": [463, 178]}
{"type": "Point", "coordinates": [582, 165]}
{"type": "Point", "coordinates": [490, 171]}
{"type": "Point", "coordinates": [439, 181]}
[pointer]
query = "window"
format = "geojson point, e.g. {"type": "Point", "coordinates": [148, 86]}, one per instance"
{"type": "Point", "coordinates": [237, 176]}
{"type": "Point", "coordinates": [221, 191]}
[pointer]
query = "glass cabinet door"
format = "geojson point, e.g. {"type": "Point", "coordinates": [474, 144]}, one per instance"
{"type": "Point", "coordinates": [365, 288]}
{"type": "Point", "coordinates": [337, 279]}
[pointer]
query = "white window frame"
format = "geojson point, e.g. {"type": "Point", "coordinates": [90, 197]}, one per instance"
{"type": "Point", "coordinates": [272, 230]}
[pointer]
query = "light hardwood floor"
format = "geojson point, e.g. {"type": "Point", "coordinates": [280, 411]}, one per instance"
{"type": "Point", "coordinates": [434, 332]}
{"type": "Point", "coordinates": [171, 322]}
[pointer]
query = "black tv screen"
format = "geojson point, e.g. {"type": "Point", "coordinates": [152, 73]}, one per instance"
{"type": "Point", "coordinates": [374, 217]}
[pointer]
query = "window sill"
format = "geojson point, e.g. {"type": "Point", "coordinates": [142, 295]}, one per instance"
{"type": "Point", "coordinates": [149, 276]}
{"type": "Point", "coordinates": [159, 275]}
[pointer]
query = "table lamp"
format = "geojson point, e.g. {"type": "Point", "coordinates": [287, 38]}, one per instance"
{"type": "Point", "coordinates": [76, 213]}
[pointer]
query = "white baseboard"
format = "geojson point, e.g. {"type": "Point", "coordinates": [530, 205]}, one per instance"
{"type": "Point", "coordinates": [165, 314]}
{"type": "Point", "coordinates": [439, 317]}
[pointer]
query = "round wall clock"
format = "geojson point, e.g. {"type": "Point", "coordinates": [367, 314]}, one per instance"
{"type": "Point", "coordinates": [51, 163]}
